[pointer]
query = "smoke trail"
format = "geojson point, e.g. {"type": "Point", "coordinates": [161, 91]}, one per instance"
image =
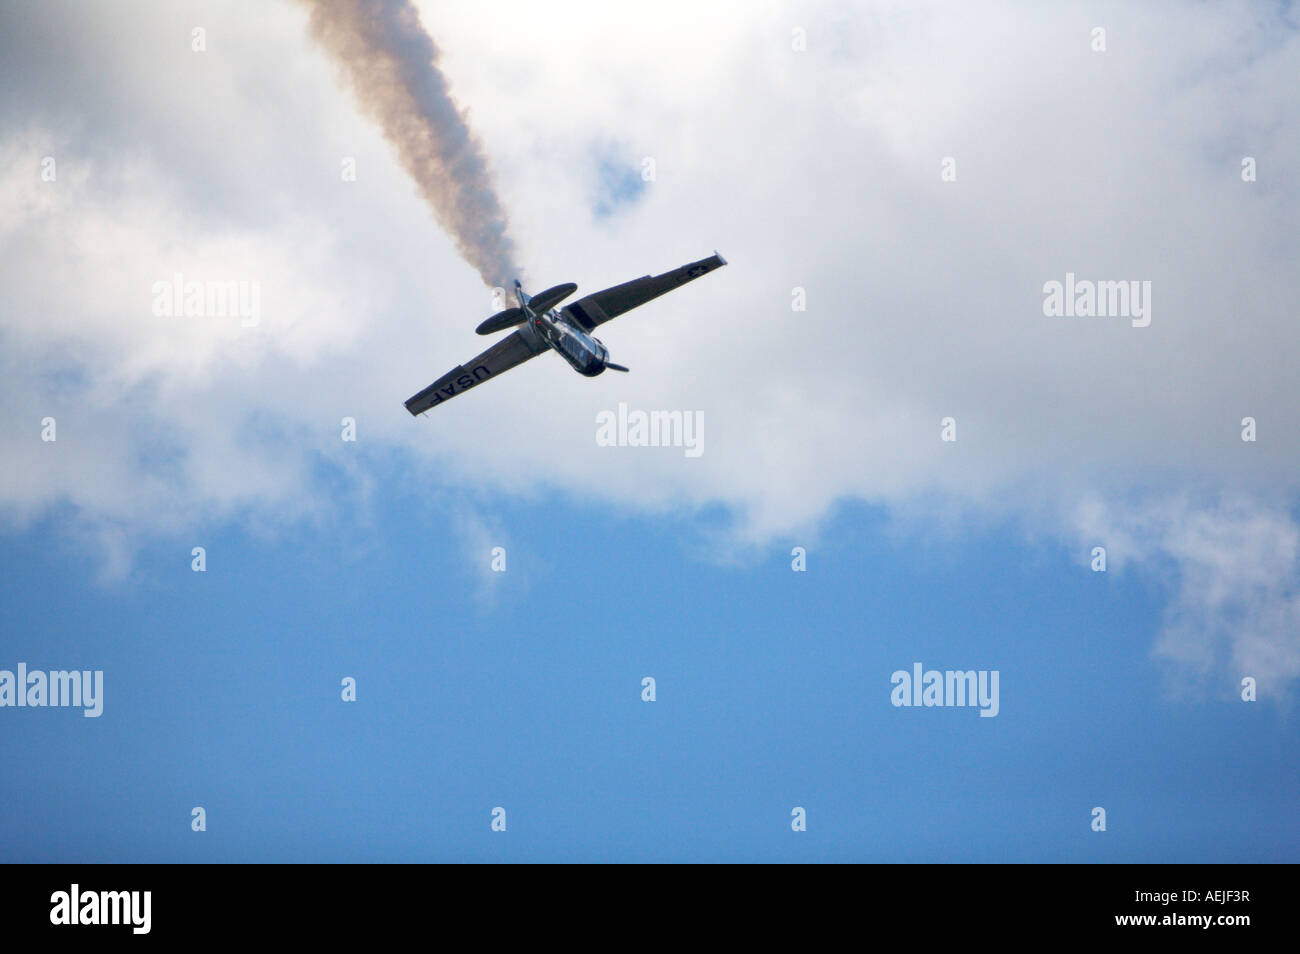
{"type": "Point", "coordinates": [392, 64]}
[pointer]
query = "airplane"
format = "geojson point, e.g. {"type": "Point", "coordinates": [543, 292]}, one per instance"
{"type": "Point", "coordinates": [567, 331]}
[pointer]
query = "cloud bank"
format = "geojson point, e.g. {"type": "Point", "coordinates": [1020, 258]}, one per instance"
{"type": "Point", "coordinates": [916, 176]}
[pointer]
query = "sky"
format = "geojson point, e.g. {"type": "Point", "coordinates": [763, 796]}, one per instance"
{"type": "Point", "coordinates": [894, 187]}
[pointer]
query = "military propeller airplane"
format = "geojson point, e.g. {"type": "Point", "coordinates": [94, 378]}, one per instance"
{"type": "Point", "coordinates": [567, 331]}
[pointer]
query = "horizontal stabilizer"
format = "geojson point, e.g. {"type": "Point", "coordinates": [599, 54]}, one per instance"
{"type": "Point", "coordinates": [501, 321]}
{"type": "Point", "coordinates": [545, 301]}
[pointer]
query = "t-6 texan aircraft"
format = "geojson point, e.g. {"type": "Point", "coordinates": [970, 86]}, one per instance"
{"type": "Point", "coordinates": [567, 331]}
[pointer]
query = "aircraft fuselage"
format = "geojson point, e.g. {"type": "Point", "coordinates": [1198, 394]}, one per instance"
{"type": "Point", "coordinates": [585, 354]}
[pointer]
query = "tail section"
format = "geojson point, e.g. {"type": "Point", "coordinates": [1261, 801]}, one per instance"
{"type": "Point", "coordinates": [538, 304]}
{"type": "Point", "coordinates": [508, 318]}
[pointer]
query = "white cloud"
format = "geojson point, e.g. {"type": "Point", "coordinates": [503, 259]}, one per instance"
{"type": "Point", "coordinates": [1233, 571]}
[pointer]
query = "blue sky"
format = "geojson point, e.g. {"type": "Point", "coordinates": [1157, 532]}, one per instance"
{"type": "Point", "coordinates": [222, 690]}
{"type": "Point", "coordinates": [894, 187]}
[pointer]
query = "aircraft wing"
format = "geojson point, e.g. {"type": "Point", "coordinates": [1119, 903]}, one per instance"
{"type": "Point", "coordinates": [502, 356]}
{"type": "Point", "coordinates": [599, 307]}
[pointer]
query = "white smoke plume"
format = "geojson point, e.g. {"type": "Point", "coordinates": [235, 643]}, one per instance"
{"type": "Point", "coordinates": [392, 65]}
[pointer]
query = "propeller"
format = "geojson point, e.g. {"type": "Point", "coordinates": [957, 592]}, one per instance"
{"type": "Point", "coordinates": [615, 367]}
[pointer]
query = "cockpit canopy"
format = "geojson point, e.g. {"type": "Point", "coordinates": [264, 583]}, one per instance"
{"type": "Point", "coordinates": [586, 354]}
